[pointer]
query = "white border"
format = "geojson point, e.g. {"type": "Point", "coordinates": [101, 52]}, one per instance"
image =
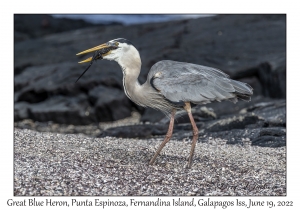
{"type": "Point", "coordinates": [153, 6]}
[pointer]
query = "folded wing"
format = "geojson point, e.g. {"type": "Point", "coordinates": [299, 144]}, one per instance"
{"type": "Point", "coordinates": [180, 82]}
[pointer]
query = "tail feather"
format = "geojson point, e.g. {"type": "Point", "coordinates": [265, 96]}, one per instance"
{"type": "Point", "coordinates": [242, 90]}
{"type": "Point", "coordinates": [243, 97]}
{"type": "Point", "coordinates": [241, 87]}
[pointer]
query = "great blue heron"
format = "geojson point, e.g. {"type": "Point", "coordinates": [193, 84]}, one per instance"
{"type": "Point", "coordinates": [170, 85]}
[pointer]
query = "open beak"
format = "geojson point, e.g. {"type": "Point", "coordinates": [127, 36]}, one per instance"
{"type": "Point", "coordinates": [100, 47]}
{"type": "Point", "coordinates": [95, 57]}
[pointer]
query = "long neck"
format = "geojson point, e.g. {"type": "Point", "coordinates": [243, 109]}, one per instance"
{"type": "Point", "coordinates": [131, 67]}
{"type": "Point", "coordinates": [143, 95]}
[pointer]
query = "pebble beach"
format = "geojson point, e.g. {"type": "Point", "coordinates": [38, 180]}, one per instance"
{"type": "Point", "coordinates": [52, 164]}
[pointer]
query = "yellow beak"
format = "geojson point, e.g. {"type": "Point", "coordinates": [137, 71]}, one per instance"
{"type": "Point", "coordinates": [86, 60]}
{"type": "Point", "coordinates": [102, 46]}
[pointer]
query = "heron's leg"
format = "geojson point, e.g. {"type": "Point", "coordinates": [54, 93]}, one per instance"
{"type": "Point", "coordinates": [187, 107]}
{"type": "Point", "coordinates": [167, 138]}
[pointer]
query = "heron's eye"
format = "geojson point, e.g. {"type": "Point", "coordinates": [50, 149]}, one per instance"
{"type": "Point", "coordinates": [117, 43]}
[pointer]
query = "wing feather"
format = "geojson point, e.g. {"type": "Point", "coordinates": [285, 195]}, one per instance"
{"type": "Point", "coordinates": [178, 81]}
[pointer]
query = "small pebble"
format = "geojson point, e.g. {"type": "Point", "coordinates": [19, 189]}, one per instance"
{"type": "Point", "coordinates": [52, 164]}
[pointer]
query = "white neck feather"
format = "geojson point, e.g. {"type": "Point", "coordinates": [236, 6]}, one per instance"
{"type": "Point", "coordinates": [130, 62]}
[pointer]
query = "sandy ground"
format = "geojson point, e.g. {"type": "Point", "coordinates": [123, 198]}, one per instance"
{"type": "Point", "coordinates": [73, 164]}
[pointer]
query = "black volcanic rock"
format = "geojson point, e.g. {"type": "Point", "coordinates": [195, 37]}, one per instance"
{"type": "Point", "coordinates": [105, 101]}
{"type": "Point", "coordinates": [136, 131]}
{"type": "Point", "coordinates": [30, 26]}
{"type": "Point", "coordinates": [62, 109]}
{"type": "Point", "coordinates": [250, 48]}
{"type": "Point", "coordinates": [263, 124]}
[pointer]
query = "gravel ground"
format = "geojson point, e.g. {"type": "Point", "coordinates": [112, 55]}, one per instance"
{"type": "Point", "coordinates": [90, 130]}
{"type": "Point", "coordinates": [74, 164]}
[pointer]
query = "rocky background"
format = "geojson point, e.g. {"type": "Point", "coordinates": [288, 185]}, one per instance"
{"type": "Point", "coordinates": [250, 48]}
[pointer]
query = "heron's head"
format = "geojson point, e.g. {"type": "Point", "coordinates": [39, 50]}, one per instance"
{"type": "Point", "coordinates": [120, 50]}
{"type": "Point", "coordinates": [111, 50]}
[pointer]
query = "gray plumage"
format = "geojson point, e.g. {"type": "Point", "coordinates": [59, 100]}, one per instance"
{"type": "Point", "coordinates": [180, 82]}
{"type": "Point", "coordinates": [170, 85]}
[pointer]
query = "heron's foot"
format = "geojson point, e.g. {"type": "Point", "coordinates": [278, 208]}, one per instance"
{"type": "Point", "coordinates": [195, 139]}
{"type": "Point", "coordinates": [152, 161]}
{"type": "Point", "coordinates": [190, 162]}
